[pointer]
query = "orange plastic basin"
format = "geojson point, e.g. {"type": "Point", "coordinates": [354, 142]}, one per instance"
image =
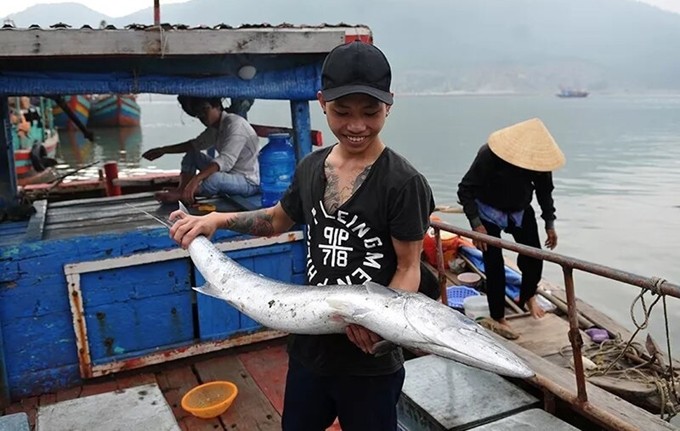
{"type": "Point", "coordinates": [210, 399]}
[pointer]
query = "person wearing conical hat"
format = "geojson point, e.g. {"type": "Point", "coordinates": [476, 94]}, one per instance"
{"type": "Point", "coordinates": [496, 194]}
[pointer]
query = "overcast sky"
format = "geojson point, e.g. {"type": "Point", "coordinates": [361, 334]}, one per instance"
{"type": "Point", "coordinates": [116, 8]}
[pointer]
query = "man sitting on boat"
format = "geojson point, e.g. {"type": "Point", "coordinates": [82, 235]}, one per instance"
{"type": "Point", "coordinates": [496, 195]}
{"type": "Point", "coordinates": [234, 169]}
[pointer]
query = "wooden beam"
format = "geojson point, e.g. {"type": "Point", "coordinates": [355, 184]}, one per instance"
{"type": "Point", "coordinates": [87, 42]}
{"type": "Point", "coordinates": [8, 178]}
{"type": "Point", "coordinates": [4, 381]}
{"type": "Point", "coordinates": [176, 253]}
{"type": "Point", "coordinates": [36, 225]}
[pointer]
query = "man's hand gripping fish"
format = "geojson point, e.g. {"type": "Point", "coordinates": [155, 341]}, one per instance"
{"type": "Point", "coordinates": [411, 320]}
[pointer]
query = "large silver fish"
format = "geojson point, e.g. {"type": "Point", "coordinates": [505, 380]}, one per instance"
{"type": "Point", "coordinates": [411, 320]}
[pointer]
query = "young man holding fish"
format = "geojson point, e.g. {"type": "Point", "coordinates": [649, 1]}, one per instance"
{"type": "Point", "coordinates": [367, 210]}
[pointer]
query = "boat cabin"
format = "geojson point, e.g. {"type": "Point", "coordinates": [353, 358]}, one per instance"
{"type": "Point", "coordinates": [89, 287]}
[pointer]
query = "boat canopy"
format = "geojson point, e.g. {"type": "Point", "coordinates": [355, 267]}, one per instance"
{"type": "Point", "coordinates": [251, 61]}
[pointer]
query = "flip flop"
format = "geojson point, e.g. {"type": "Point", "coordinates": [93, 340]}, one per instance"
{"type": "Point", "coordinates": [496, 327]}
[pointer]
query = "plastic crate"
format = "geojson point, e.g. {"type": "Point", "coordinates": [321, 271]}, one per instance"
{"type": "Point", "coordinates": [457, 294]}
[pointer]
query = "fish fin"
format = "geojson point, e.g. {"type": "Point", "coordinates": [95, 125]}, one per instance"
{"type": "Point", "coordinates": [347, 309]}
{"type": "Point", "coordinates": [209, 289]}
{"type": "Point", "coordinates": [183, 208]}
{"type": "Point", "coordinates": [379, 289]}
{"type": "Point", "coordinates": [383, 347]}
{"type": "Point", "coordinates": [338, 304]}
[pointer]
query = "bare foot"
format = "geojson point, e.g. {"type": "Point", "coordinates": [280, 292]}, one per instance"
{"type": "Point", "coordinates": [168, 196]}
{"type": "Point", "coordinates": [500, 327]}
{"type": "Point", "coordinates": [535, 308]}
{"type": "Point", "coordinates": [505, 324]}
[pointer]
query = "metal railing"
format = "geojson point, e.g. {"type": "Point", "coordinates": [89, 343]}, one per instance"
{"type": "Point", "coordinates": [654, 284]}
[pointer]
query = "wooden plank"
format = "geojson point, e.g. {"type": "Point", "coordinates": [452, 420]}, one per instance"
{"type": "Point", "coordinates": [596, 316]}
{"type": "Point", "coordinates": [30, 406]}
{"type": "Point", "coordinates": [47, 399]}
{"type": "Point", "coordinates": [69, 393]}
{"type": "Point", "coordinates": [544, 336]}
{"type": "Point", "coordinates": [69, 231]}
{"type": "Point", "coordinates": [86, 212]}
{"type": "Point", "coordinates": [103, 224]}
{"type": "Point", "coordinates": [599, 400]}
{"type": "Point", "coordinates": [137, 379]}
{"type": "Point", "coordinates": [36, 225]}
{"type": "Point", "coordinates": [95, 202]}
{"type": "Point", "coordinates": [268, 368]}
{"type": "Point", "coordinates": [157, 256]}
{"type": "Point", "coordinates": [78, 43]}
{"type": "Point", "coordinates": [251, 409]}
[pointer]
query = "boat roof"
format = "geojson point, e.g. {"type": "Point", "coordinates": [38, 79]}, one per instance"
{"type": "Point", "coordinates": [170, 59]}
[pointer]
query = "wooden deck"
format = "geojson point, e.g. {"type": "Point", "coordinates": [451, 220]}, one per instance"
{"type": "Point", "coordinates": [541, 343]}
{"type": "Point", "coordinates": [259, 372]}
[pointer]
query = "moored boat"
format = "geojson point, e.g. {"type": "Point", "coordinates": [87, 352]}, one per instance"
{"type": "Point", "coordinates": [568, 92]}
{"type": "Point", "coordinates": [95, 297]}
{"type": "Point", "coordinates": [79, 105]}
{"type": "Point", "coordinates": [114, 110]}
{"type": "Point", "coordinates": [33, 139]}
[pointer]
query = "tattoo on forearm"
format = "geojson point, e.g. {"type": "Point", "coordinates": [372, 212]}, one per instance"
{"type": "Point", "coordinates": [337, 193]}
{"type": "Point", "coordinates": [257, 223]}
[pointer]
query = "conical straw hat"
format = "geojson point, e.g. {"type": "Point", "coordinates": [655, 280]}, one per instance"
{"type": "Point", "coordinates": [528, 145]}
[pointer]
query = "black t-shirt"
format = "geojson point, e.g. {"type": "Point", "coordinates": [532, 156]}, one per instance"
{"type": "Point", "coordinates": [504, 186]}
{"type": "Point", "coordinates": [354, 246]}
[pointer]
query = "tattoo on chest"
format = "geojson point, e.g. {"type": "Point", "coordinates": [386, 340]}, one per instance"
{"type": "Point", "coordinates": [341, 186]}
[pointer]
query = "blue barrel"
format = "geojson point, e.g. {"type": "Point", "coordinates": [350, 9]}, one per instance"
{"type": "Point", "coordinates": [277, 165]}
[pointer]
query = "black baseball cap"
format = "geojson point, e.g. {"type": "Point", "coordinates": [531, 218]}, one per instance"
{"type": "Point", "coordinates": [356, 67]}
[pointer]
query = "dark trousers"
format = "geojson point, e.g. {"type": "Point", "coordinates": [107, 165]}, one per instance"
{"type": "Point", "coordinates": [530, 268]}
{"type": "Point", "coordinates": [361, 403]}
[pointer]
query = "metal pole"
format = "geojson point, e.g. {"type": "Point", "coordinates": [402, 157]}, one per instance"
{"type": "Point", "coordinates": [156, 13]}
{"type": "Point", "coordinates": [440, 267]}
{"type": "Point", "coordinates": [8, 177]}
{"type": "Point", "coordinates": [653, 284]}
{"type": "Point", "coordinates": [302, 127]}
{"type": "Point", "coordinates": [575, 335]}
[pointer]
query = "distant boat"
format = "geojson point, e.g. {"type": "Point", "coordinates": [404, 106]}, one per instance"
{"type": "Point", "coordinates": [114, 110]}
{"type": "Point", "coordinates": [567, 92]}
{"type": "Point", "coordinates": [33, 139]}
{"type": "Point", "coordinates": [80, 105]}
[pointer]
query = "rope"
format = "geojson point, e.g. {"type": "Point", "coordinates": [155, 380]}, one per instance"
{"type": "Point", "coordinates": [612, 351]}
{"type": "Point", "coordinates": [164, 41]}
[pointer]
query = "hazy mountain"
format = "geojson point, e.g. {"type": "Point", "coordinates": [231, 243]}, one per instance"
{"type": "Point", "coordinates": [45, 15]}
{"type": "Point", "coordinates": [466, 45]}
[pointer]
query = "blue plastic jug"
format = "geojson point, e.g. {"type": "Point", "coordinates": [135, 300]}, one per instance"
{"type": "Point", "coordinates": [277, 165]}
